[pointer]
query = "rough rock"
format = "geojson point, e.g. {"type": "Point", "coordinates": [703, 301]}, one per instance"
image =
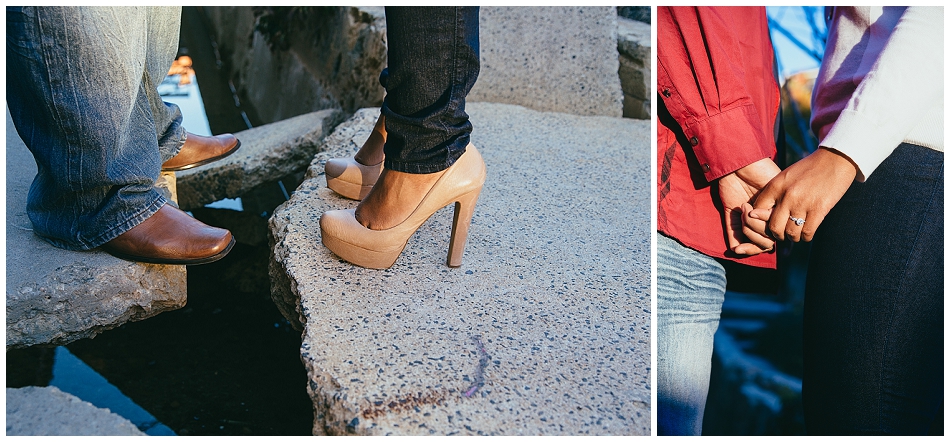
{"type": "Point", "coordinates": [543, 330]}
{"type": "Point", "coordinates": [267, 153]}
{"type": "Point", "coordinates": [638, 13]}
{"type": "Point", "coordinates": [633, 43]}
{"type": "Point", "coordinates": [555, 59]}
{"type": "Point", "coordinates": [47, 411]}
{"type": "Point", "coordinates": [332, 59]}
{"type": "Point", "coordinates": [56, 296]}
{"type": "Point", "coordinates": [559, 59]}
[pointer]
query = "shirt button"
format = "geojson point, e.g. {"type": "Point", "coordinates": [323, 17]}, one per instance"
{"type": "Point", "coordinates": [666, 93]}
{"type": "Point", "coordinates": [694, 141]}
{"type": "Point", "coordinates": [706, 166]}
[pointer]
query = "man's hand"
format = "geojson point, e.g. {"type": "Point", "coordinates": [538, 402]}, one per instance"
{"type": "Point", "coordinates": [806, 190]}
{"type": "Point", "coordinates": [741, 187]}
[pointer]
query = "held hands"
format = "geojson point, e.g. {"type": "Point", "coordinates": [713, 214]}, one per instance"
{"type": "Point", "coordinates": [736, 189]}
{"type": "Point", "coordinates": [806, 190]}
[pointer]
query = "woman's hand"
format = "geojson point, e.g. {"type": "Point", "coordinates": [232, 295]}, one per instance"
{"type": "Point", "coordinates": [806, 190]}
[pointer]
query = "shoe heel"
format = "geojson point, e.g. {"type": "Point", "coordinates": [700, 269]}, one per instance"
{"type": "Point", "coordinates": [464, 210]}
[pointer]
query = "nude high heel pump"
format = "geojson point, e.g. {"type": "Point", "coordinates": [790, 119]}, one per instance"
{"type": "Point", "coordinates": [352, 179]}
{"type": "Point", "coordinates": [378, 249]}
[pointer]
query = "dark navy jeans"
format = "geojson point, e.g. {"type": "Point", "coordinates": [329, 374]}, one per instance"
{"type": "Point", "coordinates": [433, 64]}
{"type": "Point", "coordinates": [873, 359]}
{"type": "Point", "coordinates": [81, 88]}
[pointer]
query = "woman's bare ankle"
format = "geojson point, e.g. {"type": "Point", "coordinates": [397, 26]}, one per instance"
{"type": "Point", "coordinates": [394, 197]}
{"type": "Point", "coordinates": [371, 153]}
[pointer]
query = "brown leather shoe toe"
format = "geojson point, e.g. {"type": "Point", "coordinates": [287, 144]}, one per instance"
{"type": "Point", "coordinates": [170, 236]}
{"type": "Point", "coordinates": [200, 150]}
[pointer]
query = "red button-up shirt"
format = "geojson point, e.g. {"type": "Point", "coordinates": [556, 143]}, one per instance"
{"type": "Point", "coordinates": [716, 78]}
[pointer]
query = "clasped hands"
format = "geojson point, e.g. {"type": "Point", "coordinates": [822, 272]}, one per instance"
{"type": "Point", "coordinates": [759, 200]}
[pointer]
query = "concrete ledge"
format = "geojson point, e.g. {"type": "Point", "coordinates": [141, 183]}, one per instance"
{"type": "Point", "coordinates": [544, 330]}
{"type": "Point", "coordinates": [633, 43]}
{"type": "Point", "coordinates": [267, 154]}
{"type": "Point", "coordinates": [47, 411]}
{"type": "Point", "coordinates": [552, 59]}
{"type": "Point", "coordinates": [56, 296]}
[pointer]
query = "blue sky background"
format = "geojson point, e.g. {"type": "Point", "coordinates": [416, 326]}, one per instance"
{"type": "Point", "coordinates": [793, 19]}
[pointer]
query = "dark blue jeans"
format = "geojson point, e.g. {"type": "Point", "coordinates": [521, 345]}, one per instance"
{"type": "Point", "coordinates": [81, 87]}
{"type": "Point", "coordinates": [433, 64]}
{"type": "Point", "coordinates": [873, 359]}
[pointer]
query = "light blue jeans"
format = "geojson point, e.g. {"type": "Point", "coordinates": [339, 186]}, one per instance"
{"type": "Point", "coordinates": [81, 88]}
{"type": "Point", "coordinates": [690, 288]}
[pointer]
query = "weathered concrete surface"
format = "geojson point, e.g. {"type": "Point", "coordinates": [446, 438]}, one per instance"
{"type": "Point", "coordinates": [267, 153]}
{"type": "Point", "coordinates": [555, 59]}
{"type": "Point", "coordinates": [633, 43]}
{"type": "Point", "coordinates": [549, 315]}
{"type": "Point", "coordinates": [332, 59]}
{"type": "Point", "coordinates": [47, 411]}
{"type": "Point", "coordinates": [559, 59]}
{"type": "Point", "coordinates": [56, 296]}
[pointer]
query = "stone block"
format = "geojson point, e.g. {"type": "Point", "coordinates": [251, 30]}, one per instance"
{"type": "Point", "coordinates": [553, 59]}
{"type": "Point", "coordinates": [543, 330]}
{"type": "Point", "coordinates": [633, 43]}
{"type": "Point", "coordinates": [267, 153]}
{"type": "Point", "coordinates": [56, 296]}
{"type": "Point", "coordinates": [47, 411]}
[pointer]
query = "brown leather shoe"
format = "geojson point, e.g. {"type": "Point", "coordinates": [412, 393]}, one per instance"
{"type": "Point", "coordinates": [199, 150]}
{"type": "Point", "coordinates": [170, 236]}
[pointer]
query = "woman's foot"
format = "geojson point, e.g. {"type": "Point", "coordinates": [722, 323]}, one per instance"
{"type": "Point", "coordinates": [353, 178]}
{"type": "Point", "coordinates": [374, 234]}
{"type": "Point", "coordinates": [394, 197]}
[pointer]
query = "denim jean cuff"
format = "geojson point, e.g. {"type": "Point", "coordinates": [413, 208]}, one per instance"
{"type": "Point", "coordinates": [134, 220]}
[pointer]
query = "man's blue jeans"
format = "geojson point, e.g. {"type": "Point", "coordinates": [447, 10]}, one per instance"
{"type": "Point", "coordinates": [433, 64]}
{"type": "Point", "coordinates": [81, 88]}
{"type": "Point", "coordinates": [690, 288]}
{"type": "Point", "coordinates": [874, 303]}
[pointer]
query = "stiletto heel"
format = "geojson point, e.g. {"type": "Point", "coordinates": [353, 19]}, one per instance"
{"type": "Point", "coordinates": [464, 210]}
{"type": "Point", "coordinates": [379, 249]}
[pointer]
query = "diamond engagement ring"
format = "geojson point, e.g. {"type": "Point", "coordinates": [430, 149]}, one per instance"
{"type": "Point", "coordinates": [798, 221]}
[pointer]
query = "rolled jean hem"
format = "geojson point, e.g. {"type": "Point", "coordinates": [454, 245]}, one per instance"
{"type": "Point", "coordinates": [417, 168]}
{"type": "Point", "coordinates": [114, 232]}
{"type": "Point", "coordinates": [180, 137]}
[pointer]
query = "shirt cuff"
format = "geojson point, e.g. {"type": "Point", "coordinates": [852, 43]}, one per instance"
{"type": "Point", "coordinates": [729, 141]}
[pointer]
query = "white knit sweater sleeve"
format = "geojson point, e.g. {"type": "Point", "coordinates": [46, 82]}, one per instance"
{"type": "Point", "coordinates": [901, 97]}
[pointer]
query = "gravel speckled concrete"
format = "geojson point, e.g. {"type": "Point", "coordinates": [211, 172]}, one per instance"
{"type": "Point", "coordinates": [56, 296]}
{"type": "Point", "coordinates": [552, 58]}
{"type": "Point", "coordinates": [543, 330]}
{"type": "Point", "coordinates": [47, 411]}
